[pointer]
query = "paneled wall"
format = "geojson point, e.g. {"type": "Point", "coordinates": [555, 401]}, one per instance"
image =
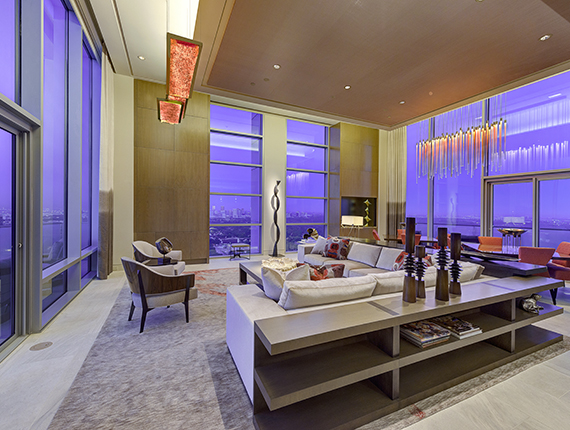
{"type": "Point", "coordinates": [358, 167]}
{"type": "Point", "coordinates": [172, 173]}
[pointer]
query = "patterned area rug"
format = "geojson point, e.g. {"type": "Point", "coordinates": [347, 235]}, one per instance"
{"type": "Point", "coordinates": [181, 376]}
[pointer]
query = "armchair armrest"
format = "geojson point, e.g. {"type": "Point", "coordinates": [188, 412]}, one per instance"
{"type": "Point", "coordinates": [156, 283]}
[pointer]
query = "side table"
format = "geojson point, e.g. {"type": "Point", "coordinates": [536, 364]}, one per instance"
{"type": "Point", "coordinates": [239, 248]}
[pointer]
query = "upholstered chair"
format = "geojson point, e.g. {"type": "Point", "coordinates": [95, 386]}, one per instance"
{"type": "Point", "coordinates": [540, 256]}
{"type": "Point", "coordinates": [375, 234]}
{"type": "Point", "coordinates": [146, 251]}
{"type": "Point", "coordinates": [153, 287]}
{"type": "Point", "coordinates": [563, 248]}
{"type": "Point", "coordinates": [493, 241]}
{"type": "Point", "coordinates": [417, 239]}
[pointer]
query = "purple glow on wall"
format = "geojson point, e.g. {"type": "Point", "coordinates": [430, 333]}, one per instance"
{"type": "Point", "coordinates": [8, 48]}
{"type": "Point", "coordinates": [230, 119]}
{"type": "Point", "coordinates": [305, 132]}
{"type": "Point", "coordinates": [54, 144]}
{"type": "Point", "coordinates": [235, 149]}
{"type": "Point", "coordinates": [86, 165]}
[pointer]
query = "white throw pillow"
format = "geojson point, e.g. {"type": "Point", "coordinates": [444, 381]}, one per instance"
{"type": "Point", "coordinates": [319, 247]}
{"type": "Point", "coordinates": [273, 280]}
{"type": "Point", "coordinates": [470, 271]}
{"type": "Point", "coordinates": [300, 294]}
{"type": "Point", "coordinates": [367, 254]}
{"type": "Point", "coordinates": [387, 258]}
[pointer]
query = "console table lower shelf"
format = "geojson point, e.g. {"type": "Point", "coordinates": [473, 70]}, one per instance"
{"type": "Point", "coordinates": [341, 368]}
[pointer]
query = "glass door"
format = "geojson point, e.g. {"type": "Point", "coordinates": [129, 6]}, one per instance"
{"type": "Point", "coordinates": [554, 212]}
{"type": "Point", "coordinates": [7, 236]}
{"type": "Point", "coordinates": [513, 208]}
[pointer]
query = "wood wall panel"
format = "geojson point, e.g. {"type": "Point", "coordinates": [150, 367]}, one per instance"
{"type": "Point", "coordinates": [172, 174]}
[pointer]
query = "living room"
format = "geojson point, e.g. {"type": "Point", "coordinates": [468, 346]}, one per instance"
{"type": "Point", "coordinates": [262, 125]}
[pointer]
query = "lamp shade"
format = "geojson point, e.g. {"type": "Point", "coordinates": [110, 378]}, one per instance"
{"type": "Point", "coordinates": [357, 221]}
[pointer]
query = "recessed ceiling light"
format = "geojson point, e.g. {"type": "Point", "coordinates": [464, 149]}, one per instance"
{"type": "Point", "coordinates": [276, 66]}
{"type": "Point", "coordinates": [402, 102]}
{"type": "Point", "coordinates": [141, 58]}
{"type": "Point", "coordinates": [554, 95]}
{"type": "Point", "coordinates": [545, 37]}
{"type": "Point", "coordinates": [347, 87]}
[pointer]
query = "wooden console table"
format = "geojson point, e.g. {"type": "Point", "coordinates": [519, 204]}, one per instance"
{"type": "Point", "coordinates": [346, 366]}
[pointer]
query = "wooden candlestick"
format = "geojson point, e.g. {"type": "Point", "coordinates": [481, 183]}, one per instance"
{"type": "Point", "coordinates": [410, 235]}
{"type": "Point", "coordinates": [442, 279]}
{"type": "Point", "coordinates": [442, 237]}
{"type": "Point", "coordinates": [455, 269]}
{"type": "Point", "coordinates": [420, 271]}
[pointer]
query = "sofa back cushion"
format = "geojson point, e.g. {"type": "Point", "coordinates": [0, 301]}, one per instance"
{"type": "Point", "coordinates": [367, 254]}
{"type": "Point", "coordinates": [273, 280]}
{"type": "Point", "coordinates": [320, 246]}
{"type": "Point", "coordinates": [300, 294]}
{"type": "Point", "coordinates": [388, 257]}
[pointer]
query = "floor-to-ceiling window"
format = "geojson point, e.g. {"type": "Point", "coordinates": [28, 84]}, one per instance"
{"type": "Point", "coordinates": [416, 178]}
{"type": "Point", "coordinates": [554, 212]}
{"type": "Point", "coordinates": [236, 145]}
{"type": "Point", "coordinates": [7, 234]}
{"type": "Point", "coordinates": [306, 185]}
{"type": "Point", "coordinates": [8, 31]}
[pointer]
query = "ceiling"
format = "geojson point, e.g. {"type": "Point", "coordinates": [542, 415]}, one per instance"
{"type": "Point", "coordinates": [429, 54]}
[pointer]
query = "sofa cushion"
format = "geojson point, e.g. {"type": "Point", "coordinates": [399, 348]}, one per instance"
{"type": "Point", "coordinates": [318, 260]}
{"type": "Point", "coordinates": [320, 246]}
{"type": "Point", "coordinates": [352, 265]}
{"type": "Point", "coordinates": [366, 271]}
{"type": "Point", "coordinates": [367, 254]}
{"type": "Point", "coordinates": [299, 294]}
{"type": "Point", "coordinates": [326, 271]}
{"type": "Point", "coordinates": [337, 248]}
{"type": "Point", "coordinates": [273, 280]}
{"type": "Point", "coordinates": [388, 257]}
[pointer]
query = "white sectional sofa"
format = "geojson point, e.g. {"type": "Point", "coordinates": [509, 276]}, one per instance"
{"type": "Point", "coordinates": [248, 303]}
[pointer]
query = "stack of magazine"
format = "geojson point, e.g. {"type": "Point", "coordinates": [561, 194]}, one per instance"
{"type": "Point", "coordinates": [424, 333]}
{"type": "Point", "coordinates": [459, 328]}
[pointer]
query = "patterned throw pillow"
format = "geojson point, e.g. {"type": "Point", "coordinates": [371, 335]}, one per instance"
{"type": "Point", "coordinates": [337, 248]}
{"type": "Point", "coordinates": [399, 263]}
{"type": "Point", "coordinates": [325, 271]}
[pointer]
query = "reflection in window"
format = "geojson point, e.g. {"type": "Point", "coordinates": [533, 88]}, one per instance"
{"type": "Point", "coordinates": [235, 179]}
{"type": "Point", "coordinates": [8, 48]}
{"type": "Point", "coordinates": [86, 151]}
{"type": "Point", "coordinates": [306, 183]}
{"type": "Point", "coordinates": [512, 208]}
{"type": "Point", "coordinates": [53, 290]}
{"type": "Point", "coordinates": [54, 133]}
{"type": "Point", "coordinates": [417, 188]}
{"type": "Point", "coordinates": [554, 220]}
{"type": "Point", "coordinates": [7, 231]}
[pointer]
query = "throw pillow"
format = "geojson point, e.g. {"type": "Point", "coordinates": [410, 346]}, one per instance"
{"type": "Point", "coordinates": [399, 262]}
{"type": "Point", "coordinates": [273, 280]}
{"type": "Point", "coordinates": [337, 248]}
{"type": "Point", "coordinates": [388, 258]}
{"type": "Point", "coordinates": [318, 273]}
{"type": "Point", "coordinates": [320, 246]}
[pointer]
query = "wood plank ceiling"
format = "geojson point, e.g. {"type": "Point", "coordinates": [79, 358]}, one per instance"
{"type": "Point", "coordinates": [429, 54]}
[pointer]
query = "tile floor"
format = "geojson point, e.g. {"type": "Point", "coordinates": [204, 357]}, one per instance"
{"type": "Point", "coordinates": [33, 383]}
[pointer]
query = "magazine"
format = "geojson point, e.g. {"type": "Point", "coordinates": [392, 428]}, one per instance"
{"type": "Point", "coordinates": [424, 333]}
{"type": "Point", "coordinates": [459, 328]}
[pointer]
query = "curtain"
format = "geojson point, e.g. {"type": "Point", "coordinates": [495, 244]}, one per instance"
{"type": "Point", "coordinates": [396, 180]}
{"type": "Point", "coordinates": [105, 252]}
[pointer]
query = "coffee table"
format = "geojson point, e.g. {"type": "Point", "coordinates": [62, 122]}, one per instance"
{"type": "Point", "coordinates": [251, 268]}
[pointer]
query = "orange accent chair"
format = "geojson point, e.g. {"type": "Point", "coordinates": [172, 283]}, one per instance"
{"type": "Point", "coordinates": [493, 241]}
{"type": "Point", "coordinates": [375, 234]}
{"type": "Point", "coordinates": [399, 233]}
{"type": "Point", "coordinates": [540, 256]}
{"type": "Point", "coordinates": [563, 248]}
{"type": "Point", "coordinates": [417, 241]}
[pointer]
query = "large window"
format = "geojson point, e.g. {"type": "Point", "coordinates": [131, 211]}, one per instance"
{"type": "Point", "coordinates": [235, 179]}
{"type": "Point", "coordinates": [417, 188]}
{"type": "Point", "coordinates": [54, 133]}
{"type": "Point", "coordinates": [86, 150]}
{"type": "Point", "coordinates": [554, 212]}
{"type": "Point", "coordinates": [8, 31]}
{"type": "Point", "coordinates": [306, 185]}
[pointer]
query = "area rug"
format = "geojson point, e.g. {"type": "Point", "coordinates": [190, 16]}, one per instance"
{"type": "Point", "coordinates": [181, 376]}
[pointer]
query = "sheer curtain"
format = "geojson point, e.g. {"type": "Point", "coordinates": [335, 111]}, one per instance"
{"type": "Point", "coordinates": [105, 253]}
{"type": "Point", "coordinates": [395, 180]}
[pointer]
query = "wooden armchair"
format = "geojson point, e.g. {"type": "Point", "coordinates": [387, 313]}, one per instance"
{"type": "Point", "coordinates": [145, 251]}
{"type": "Point", "coordinates": [155, 287]}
